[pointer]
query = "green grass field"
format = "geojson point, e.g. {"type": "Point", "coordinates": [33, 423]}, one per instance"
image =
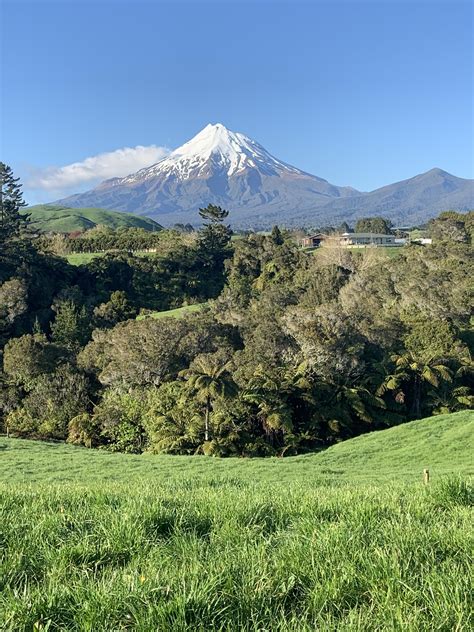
{"type": "Point", "coordinates": [388, 251]}
{"type": "Point", "coordinates": [174, 313]}
{"type": "Point", "coordinates": [347, 539]}
{"type": "Point", "coordinates": [392, 251]}
{"type": "Point", "coordinates": [444, 444]}
{"type": "Point", "coordinates": [62, 219]}
{"type": "Point", "coordinates": [81, 258]}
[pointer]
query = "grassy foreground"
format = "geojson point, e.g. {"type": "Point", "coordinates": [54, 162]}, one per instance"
{"type": "Point", "coordinates": [444, 444]}
{"type": "Point", "coordinates": [345, 540]}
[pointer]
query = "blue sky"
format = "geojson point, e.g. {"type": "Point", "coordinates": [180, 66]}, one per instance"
{"type": "Point", "coordinates": [359, 93]}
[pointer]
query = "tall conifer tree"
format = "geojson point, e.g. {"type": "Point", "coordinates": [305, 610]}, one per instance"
{"type": "Point", "coordinates": [12, 222]}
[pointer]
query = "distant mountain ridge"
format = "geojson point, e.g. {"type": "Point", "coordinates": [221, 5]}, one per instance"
{"type": "Point", "coordinates": [412, 201]}
{"type": "Point", "coordinates": [230, 169]}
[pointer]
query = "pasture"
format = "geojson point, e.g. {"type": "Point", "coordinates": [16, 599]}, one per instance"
{"type": "Point", "coordinates": [62, 219]}
{"type": "Point", "coordinates": [82, 258]}
{"type": "Point", "coordinates": [386, 251]}
{"type": "Point", "coordinates": [178, 312]}
{"type": "Point", "coordinates": [347, 539]}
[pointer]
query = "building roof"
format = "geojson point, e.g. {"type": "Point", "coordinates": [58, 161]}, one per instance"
{"type": "Point", "coordinates": [365, 235]}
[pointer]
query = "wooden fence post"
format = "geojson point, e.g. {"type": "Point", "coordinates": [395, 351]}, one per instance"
{"type": "Point", "coordinates": [426, 476]}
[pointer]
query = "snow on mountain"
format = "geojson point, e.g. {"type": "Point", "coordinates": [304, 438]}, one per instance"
{"type": "Point", "coordinates": [230, 169]}
{"type": "Point", "coordinates": [231, 152]}
{"type": "Point", "coordinates": [217, 166]}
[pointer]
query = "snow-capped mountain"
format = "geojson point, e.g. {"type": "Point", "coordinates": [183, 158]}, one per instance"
{"type": "Point", "coordinates": [216, 166]}
{"type": "Point", "coordinates": [230, 169]}
{"type": "Point", "coordinates": [216, 146]}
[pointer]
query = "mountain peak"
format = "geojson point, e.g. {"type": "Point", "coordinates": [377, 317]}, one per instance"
{"type": "Point", "coordinates": [212, 130]}
{"type": "Point", "coordinates": [439, 172]}
{"type": "Point", "coordinates": [214, 126]}
{"type": "Point", "coordinates": [214, 139]}
{"type": "Point", "coordinates": [435, 172]}
{"type": "Point", "coordinates": [219, 150]}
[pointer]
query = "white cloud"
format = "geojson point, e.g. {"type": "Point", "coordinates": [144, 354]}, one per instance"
{"type": "Point", "coordinates": [118, 163]}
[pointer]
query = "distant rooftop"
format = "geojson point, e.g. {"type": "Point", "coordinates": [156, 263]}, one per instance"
{"type": "Point", "coordinates": [365, 235]}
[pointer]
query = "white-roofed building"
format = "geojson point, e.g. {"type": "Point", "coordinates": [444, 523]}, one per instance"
{"type": "Point", "coordinates": [367, 239]}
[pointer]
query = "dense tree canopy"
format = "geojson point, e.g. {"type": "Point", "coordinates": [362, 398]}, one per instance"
{"type": "Point", "coordinates": [378, 225]}
{"type": "Point", "coordinates": [292, 353]}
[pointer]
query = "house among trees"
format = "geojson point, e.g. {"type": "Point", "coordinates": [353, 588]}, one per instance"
{"type": "Point", "coordinates": [367, 239]}
{"type": "Point", "coordinates": [313, 241]}
{"type": "Point", "coordinates": [350, 239]}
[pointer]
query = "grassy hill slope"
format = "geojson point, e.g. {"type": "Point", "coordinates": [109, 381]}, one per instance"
{"type": "Point", "coordinates": [99, 541]}
{"type": "Point", "coordinates": [61, 219]}
{"type": "Point", "coordinates": [444, 444]}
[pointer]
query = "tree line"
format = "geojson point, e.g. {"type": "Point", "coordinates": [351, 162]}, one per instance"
{"type": "Point", "coordinates": [291, 353]}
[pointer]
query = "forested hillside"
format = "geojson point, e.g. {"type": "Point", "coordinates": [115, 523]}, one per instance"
{"type": "Point", "coordinates": [293, 352]}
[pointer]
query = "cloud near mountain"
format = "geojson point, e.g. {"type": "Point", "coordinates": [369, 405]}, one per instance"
{"type": "Point", "coordinates": [110, 164]}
